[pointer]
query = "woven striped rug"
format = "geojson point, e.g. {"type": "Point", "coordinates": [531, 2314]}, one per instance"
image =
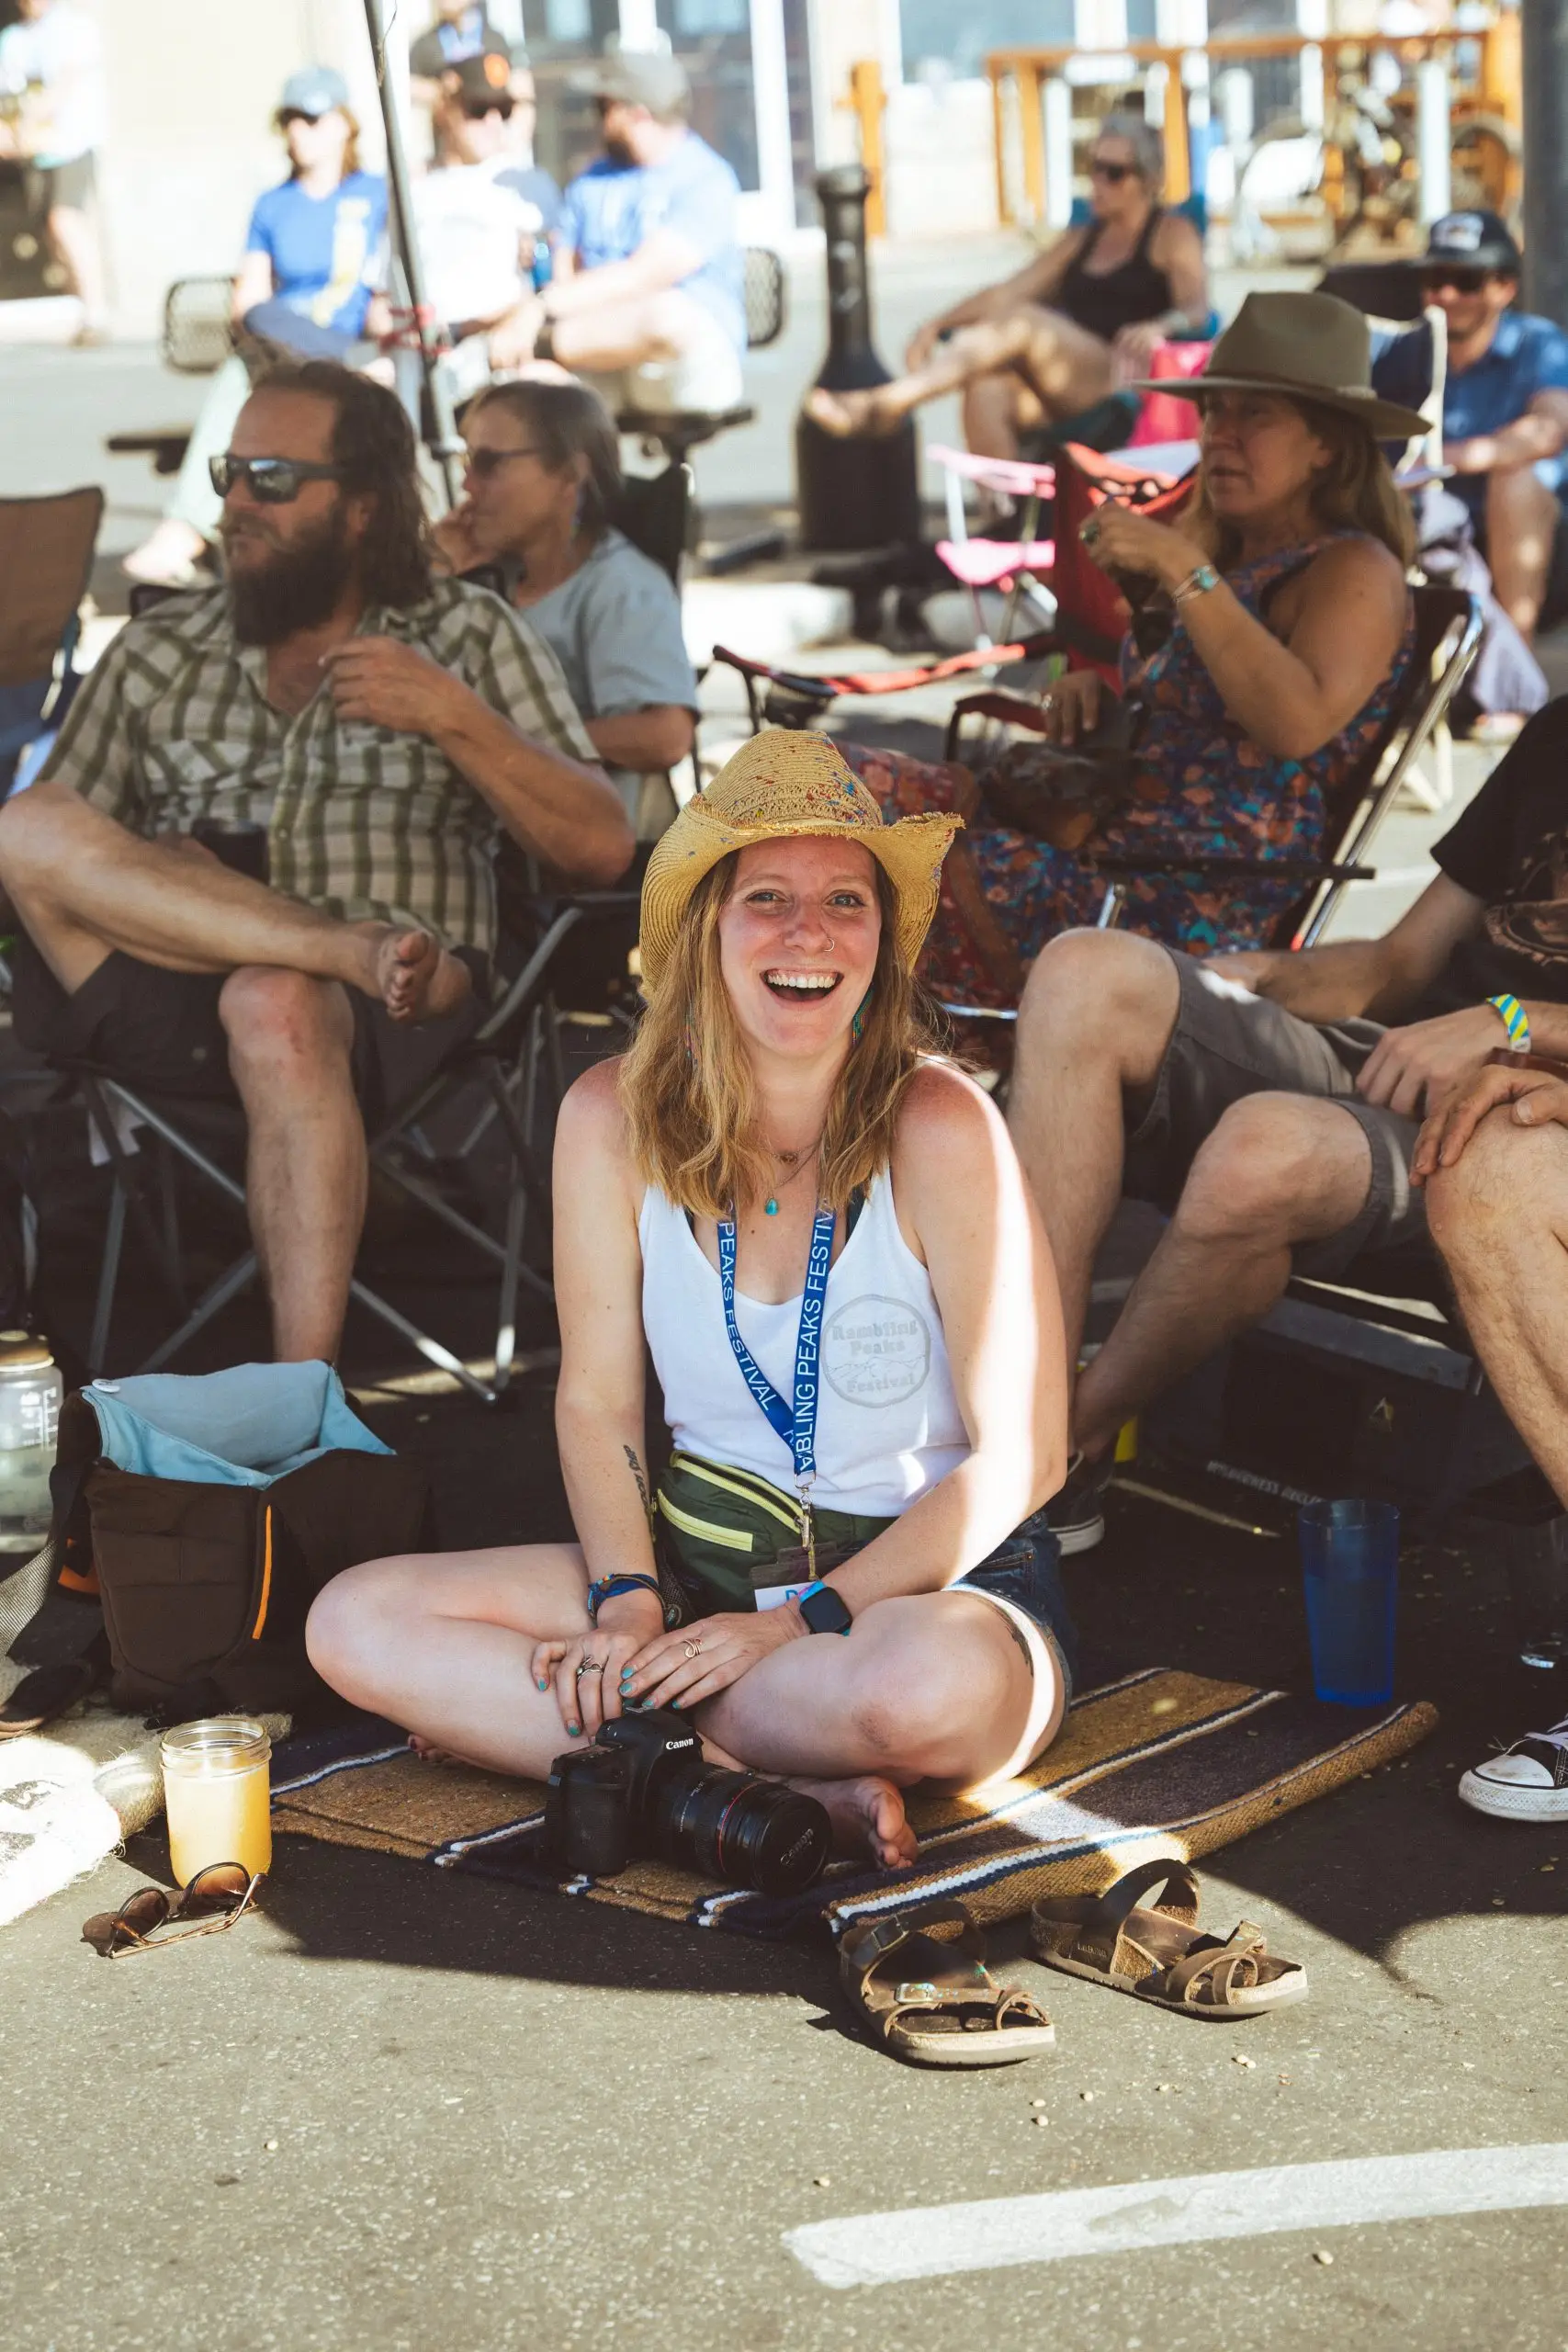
{"type": "Point", "coordinates": [1158, 1763]}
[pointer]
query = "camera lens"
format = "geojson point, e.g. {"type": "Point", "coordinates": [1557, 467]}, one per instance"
{"type": "Point", "coordinates": [746, 1831]}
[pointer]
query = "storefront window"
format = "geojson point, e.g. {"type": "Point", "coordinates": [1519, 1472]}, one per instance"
{"type": "Point", "coordinates": [936, 32]}
{"type": "Point", "coordinates": [713, 40]}
{"type": "Point", "coordinates": [563, 37]}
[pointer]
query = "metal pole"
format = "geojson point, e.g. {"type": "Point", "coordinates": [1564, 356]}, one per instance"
{"type": "Point", "coordinates": [1433, 131]}
{"type": "Point", "coordinates": [446, 446]}
{"type": "Point", "coordinates": [1544, 25]}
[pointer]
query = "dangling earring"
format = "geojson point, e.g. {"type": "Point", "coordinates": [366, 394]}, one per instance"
{"type": "Point", "coordinates": [857, 1026]}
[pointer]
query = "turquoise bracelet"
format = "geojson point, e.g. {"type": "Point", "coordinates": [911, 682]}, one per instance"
{"type": "Point", "coordinates": [1515, 1019]}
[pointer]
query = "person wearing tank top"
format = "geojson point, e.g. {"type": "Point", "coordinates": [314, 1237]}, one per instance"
{"type": "Point", "coordinates": [1066, 331]}
{"type": "Point", "coordinates": [818, 1228]}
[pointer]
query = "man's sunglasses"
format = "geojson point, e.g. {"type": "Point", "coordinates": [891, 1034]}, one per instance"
{"type": "Point", "coordinates": [476, 109]}
{"type": "Point", "coordinates": [215, 1898]}
{"type": "Point", "coordinates": [272, 482]}
{"type": "Point", "coordinates": [1462, 280]}
{"type": "Point", "coordinates": [1114, 173]}
{"type": "Point", "coordinates": [483, 463]}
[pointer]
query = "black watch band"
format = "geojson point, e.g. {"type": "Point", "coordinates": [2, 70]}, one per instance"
{"type": "Point", "coordinates": [823, 1611]}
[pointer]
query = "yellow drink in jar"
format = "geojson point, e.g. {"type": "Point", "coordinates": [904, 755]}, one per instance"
{"type": "Point", "coordinates": [218, 1795]}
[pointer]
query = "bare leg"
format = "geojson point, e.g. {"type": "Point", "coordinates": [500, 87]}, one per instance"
{"type": "Point", "coordinates": [305, 1169]}
{"type": "Point", "coordinates": [1278, 1168]}
{"type": "Point", "coordinates": [624, 335]}
{"type": "Point", "coordinates": [1064, 366]}
{"type": "Point", "coordinates": [1500, 1217]}
{"type": "Point", "coordinates": [997, 409]}
{"type": "Point", "coordinates": [75, 236]}
{"type": "Point", "coordinates": [84, 887]}
{"type": "Point", "coordinates": [1096, 1019]}
{"type": "Point", "coordinates": [931, 1687]}
{"type": "Point", "coordinates": [1522, 517]}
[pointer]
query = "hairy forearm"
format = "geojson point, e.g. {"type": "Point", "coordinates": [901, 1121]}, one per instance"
{"type": "Point", "coordinates": [560, 810]}
{"type": "Point", "coordinates": [612, 281]}
{"type": "Point", "coordinates": [1525, 442]}
{"type": "Point", "coordinates": [1353, 978]}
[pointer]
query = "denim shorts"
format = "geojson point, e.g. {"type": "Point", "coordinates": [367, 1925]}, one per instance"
{"type": "Point", "coordinates": [1026, 1570]}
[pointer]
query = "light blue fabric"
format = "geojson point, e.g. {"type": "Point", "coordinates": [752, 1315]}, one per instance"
{"type": "Point", "coordinates": [612, 209]}
{"type": "Point", "coordinates": [246, 1427]}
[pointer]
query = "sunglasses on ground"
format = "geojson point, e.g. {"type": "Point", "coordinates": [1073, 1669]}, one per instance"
{"type": "Point", "coordinates": [1462, 280]}
{"type": "Point", "coordinates": [272, 482]}
{"type": "Point", "coordinates": [1114, 173]}
{"type": "Point", "coordinates": [215, 1898]}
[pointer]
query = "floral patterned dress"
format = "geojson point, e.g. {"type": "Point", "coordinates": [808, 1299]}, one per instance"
{"type": "Point", "coordinates": [1224, 797]}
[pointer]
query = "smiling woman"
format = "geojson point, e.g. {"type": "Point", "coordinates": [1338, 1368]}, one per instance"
{"type": "Point", "coordinates": [862, 1374]}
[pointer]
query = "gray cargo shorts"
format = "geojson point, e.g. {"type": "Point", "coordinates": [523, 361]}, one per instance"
{"type": "Point", "coordinates": [1227, 1044]}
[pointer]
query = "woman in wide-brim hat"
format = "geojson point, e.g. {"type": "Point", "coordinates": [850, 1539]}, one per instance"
{"type": "Point", "coordinates": [1291, 632]}
{"type": "Point", "coordinates": [819, 1229]}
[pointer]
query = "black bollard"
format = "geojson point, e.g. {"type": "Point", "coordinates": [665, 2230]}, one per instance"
{"type": "Point", "coordinates": [860, 494]}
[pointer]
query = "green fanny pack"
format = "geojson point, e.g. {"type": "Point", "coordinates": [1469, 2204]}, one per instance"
{"type": "Point", "coordinates": [728, 1535]}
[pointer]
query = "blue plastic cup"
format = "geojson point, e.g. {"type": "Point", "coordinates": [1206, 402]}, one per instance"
{"type": "Point", "coordinates": [1350, 1572]}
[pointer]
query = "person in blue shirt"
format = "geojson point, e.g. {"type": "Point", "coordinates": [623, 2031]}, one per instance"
{"type": "Point", "coordinates": [1505, 408]}
{"type": "Point", "coordinates": [307, 285]}
{"type": "Point", "coordinates": [647, 296]}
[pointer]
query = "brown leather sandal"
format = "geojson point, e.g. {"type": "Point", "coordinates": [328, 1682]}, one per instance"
{"type": "Point", "coordinates": [940, 2006]}
{"type": "Point", "coordinates": [1158, 1950]}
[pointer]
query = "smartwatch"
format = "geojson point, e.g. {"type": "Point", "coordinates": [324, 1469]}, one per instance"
{"type": "Point", "coordinates": [824, 1610]}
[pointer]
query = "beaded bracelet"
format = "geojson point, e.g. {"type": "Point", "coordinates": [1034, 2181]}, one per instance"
{"type": "Point", "coordinates": [1515, 1019]}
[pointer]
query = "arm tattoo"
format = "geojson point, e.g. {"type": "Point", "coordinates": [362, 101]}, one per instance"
{"type": "Point", "coordinates": [641, 1482]}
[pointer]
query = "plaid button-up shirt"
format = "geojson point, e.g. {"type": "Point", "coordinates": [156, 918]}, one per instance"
{"type": "Point", "coordinates": [174, 725]}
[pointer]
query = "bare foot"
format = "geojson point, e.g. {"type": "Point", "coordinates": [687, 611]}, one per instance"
{"type": "Point", "coordinates": [850, 415]}
{"type": "Point", "coordinates": [868, 1818]}
{"type": "Point", "coordinates": [411, 973]}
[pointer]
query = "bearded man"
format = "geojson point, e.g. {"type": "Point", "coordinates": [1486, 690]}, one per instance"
{"type": "Point", "coordinates": [360, 734]}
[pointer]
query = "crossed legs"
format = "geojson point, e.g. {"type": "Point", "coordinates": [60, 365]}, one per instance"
{"type": "Point", "coordinates": [932, 1687]}
{"type": "Point", "coordinates": [1278, 1170]}
{"type": "Point", "coordinates": [85, 888]}
{"type": "Point", "coordinates": [1046, 366]}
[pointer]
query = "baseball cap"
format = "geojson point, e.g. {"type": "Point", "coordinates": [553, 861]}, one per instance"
{"type": "Point", "coordinates": [488, 76]}
{"type": "Point", "coordinates": [315, 90]}
{"type": "Point", "coordinates": [638, 78]}
{"type": "Point", "coordinates": [1474, 240]}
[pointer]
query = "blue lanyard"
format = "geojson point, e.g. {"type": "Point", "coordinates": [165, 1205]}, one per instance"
{"type": "Point", "coordinates": [797, 1429]}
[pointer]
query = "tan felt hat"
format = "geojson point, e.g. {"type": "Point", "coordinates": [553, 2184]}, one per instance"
{"type": "Point", "coordinates": [1313, 346]}
{"type": "Point", "coordinates": [782, 785]}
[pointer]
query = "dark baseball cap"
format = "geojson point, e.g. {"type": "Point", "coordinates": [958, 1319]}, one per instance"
{"type": "Point", "coordinates": [1474, 240]}
{"type": "Point", "coordinates": [315, 90]}
{"type": "Point", "coordinates": [488, 76]}
{"type": "Point", "coordinates": [638, 78]}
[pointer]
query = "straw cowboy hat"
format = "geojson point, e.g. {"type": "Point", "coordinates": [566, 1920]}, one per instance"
{"type": "Point", "coordinates": [786, 785]}
{"type": "Point", "coordinates": [1310, 347]}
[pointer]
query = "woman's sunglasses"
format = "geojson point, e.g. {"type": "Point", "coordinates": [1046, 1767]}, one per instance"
{"type": "Point", "coordinates": [1114, 173]}
{"type": "Point", "coordinates": [483, 463]}
{"type": "Point", "coordinates": [215, 1898]}
{"type": "Point", "coordinates": [272, 482]}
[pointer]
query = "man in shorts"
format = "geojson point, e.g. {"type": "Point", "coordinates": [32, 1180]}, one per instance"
{"type": "Point", "coordinates": [51, 71]}
{"type": "Point", "coordinates": [649, 292]}
{"type": "Point", "coordinates": [364, 733]}
{"type": "Point", "coordinates": [1269, 1103]}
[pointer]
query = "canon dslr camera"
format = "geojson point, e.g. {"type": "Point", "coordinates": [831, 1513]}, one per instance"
{"type": "Point", "coordinates": [642, 1788]}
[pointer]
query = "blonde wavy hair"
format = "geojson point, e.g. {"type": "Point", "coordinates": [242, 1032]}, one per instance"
{"type": "Point", "coordinates": [690, 1094]}
{"type": "Point", "coordinates": [1355, 491]}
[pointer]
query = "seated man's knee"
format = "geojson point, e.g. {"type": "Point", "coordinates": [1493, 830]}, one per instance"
{"type": "Point", "coordinates": [1264, 1165]}
{"type": "Point", "coordinates": [1100, 982]}
{"type": "Point", "coordinates": [667, 322]}
{"type": "Point", "coordinates": [274, 1015]}
{"type": "Point", "coordinates": [1508, 1180]}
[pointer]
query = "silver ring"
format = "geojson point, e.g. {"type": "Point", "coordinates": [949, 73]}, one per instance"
{"type": "Point", "coordinates": [589, 1665]}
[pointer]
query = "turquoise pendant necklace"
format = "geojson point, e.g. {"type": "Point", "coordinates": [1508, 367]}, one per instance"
{"type": "Point", "coordinates": [771, 1205]}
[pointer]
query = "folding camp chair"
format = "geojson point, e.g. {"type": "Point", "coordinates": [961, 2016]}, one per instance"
{"type": "Point", "coordinates": [46, 558]}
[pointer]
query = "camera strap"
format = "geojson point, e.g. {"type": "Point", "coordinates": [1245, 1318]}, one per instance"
{"type": "Point", "coordinates": [797, 1427]}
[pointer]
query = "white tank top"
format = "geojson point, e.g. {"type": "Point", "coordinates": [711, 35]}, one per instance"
{"type": "Point", "coordinates": [888, 1427]}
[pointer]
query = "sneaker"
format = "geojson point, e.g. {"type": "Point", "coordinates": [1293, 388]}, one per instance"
{"type": "Point", "coordinates": [1076, 1516]}
{"type": "Point", "coordinates": [1526, 1782]}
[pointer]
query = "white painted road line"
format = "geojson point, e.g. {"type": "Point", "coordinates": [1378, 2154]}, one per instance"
{"type": "Point", "coordinates": [936, 2241]}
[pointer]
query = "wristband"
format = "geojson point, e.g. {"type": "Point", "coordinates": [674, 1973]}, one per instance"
{"type": "Point", "coordinates": [1506, 1058]}
{"type": "Point", "coordinates": [611, 1587]}
{"type": "Point", "coordinates": [1197, 584]}
{"type": "Point", "coordinates": [1515, 1019]}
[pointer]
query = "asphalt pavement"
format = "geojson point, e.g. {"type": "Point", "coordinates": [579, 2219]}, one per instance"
{"type": "Point", "coordinates": [411, 2111]}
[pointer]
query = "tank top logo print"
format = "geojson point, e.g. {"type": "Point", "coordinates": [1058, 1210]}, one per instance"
{"type": "Point", "coordinates": [875, 1351]}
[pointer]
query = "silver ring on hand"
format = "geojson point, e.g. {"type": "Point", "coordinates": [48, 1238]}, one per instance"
{"type": "Point", "coordinates": [589, 1665]}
